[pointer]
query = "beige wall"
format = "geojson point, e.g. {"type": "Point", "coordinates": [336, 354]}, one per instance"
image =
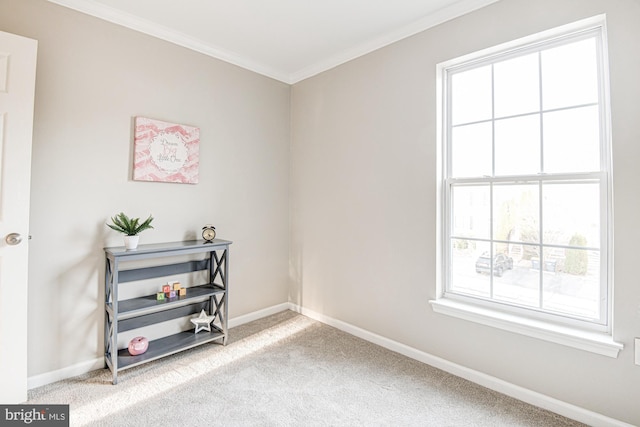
{"type": "Point", "coordinates": [361, 151]}
{"type": "Point", "coordinates": [363, 203]}
{"type": "Point", "coordinates": [93, 77]}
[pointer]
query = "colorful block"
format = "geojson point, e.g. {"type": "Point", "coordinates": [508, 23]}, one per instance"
{"type": "Point", "coordinates": [176, 286]}
{"type": "Point", "coordinates": [183, 292]}
{"type": "Point", "coordinates": [166, 288]}
{"type": "Point", "coordinates": [172, 294]}
{"type": "Point", "coordinates": [160, 296]}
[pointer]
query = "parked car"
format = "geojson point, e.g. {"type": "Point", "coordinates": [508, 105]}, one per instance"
{"type": "Point", "coordinates": [501, 262]}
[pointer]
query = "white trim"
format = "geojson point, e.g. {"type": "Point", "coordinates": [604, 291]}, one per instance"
{"type": "Point", "coordinates": [98, 363]}
{"type": "Point", "coordinates": [64, 373]}
{"type": "Point", "coordinates": [257, 315]}
{"type": "Point", "coordinates": [144, 26]}
{"type": "Point", "coordinates": [543, 37]}
{"type": "Point", "coordinates": [443, 15]}
{"type": "Point", "coordinates": [534, 398]}
{"type": "Point", "coordinates": [599, 343]}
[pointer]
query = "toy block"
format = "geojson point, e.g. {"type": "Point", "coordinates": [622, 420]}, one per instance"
{"type": "Point", "coordinates": [172, 294]}
{"type": "Point", "coordinates": [166, 288]}
{"type": "Point", "coordinates": [176, 286]}
{"type": "Point", "coordinates": [160, 296]}
{"type": "Point", "coordinates": [183, 292]}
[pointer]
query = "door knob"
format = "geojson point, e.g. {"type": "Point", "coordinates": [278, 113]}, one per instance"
{"type": "Point", "coordinates": [13, 239]}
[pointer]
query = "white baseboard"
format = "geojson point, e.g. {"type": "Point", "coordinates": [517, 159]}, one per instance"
{"type": "Point", "coordinates": [98, 363]}
{"type": "Point", "coordinates": [256, 315]}
{"type": "Point", "coordinates": [64, 373]}
{"type": "Point", "coordinates": [534, 398]}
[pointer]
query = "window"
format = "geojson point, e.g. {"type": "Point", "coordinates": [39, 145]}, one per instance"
{"type": "Point", "coordinates": [526, 178]}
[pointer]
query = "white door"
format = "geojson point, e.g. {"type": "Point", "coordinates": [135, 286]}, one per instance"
{"type": "Point", "coordinates": [17, 87]}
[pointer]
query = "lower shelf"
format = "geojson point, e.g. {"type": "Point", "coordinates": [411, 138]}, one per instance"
{"type": "Point", "coordinates": [166, 346]}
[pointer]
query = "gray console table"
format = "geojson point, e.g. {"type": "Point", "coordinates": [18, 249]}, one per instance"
{"type": "Point", "coordinates": [125, 315]}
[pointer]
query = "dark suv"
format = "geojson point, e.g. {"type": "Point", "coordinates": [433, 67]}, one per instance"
{"type": "Point", "coordinates": [501, 262]}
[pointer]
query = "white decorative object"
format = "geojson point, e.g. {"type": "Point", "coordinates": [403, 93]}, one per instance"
{"type": "Point", "coordinates": [202, 322]}
{"type": "Point", "coordinates": [131, 242]}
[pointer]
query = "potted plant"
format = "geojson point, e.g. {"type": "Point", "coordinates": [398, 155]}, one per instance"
{"type": "Point", "coordinates": [130, 227]}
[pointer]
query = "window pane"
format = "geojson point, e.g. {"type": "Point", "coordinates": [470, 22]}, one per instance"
{"type": "Point", "coordinates": [525, 186]}
{"type": "Point", "coordinates": [464, 278]}
{"type": "Point", "coordinates": [517, 145]}
{"type": "Point", "coordinates": [517, 86]}
{"type": "Point", "coordinates": [570, 75]}
{"type": "Point", "coordinates": [519, 282]}
{"type": "Point", "coordinates": [471, 150]}
{"type": "Point", "coordinates": [471, 96]}
{"type": "Point", "coordinates": [572, 140]}
{"type": "Point", "coordinates": [515, 215]}
{"type": "Point", "coordinates": [571, 214]}
{"type": "Point", "coordinates": [574, 286]}
{"type": "Point", "coordinates": [470, 213]}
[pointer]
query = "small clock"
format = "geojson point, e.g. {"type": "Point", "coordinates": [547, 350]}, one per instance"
{"type": "Point", "coordinates": [208, 233]}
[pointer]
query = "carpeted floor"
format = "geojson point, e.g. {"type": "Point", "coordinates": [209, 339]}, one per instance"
{"type": "Point", "coordinates": [288, 370]}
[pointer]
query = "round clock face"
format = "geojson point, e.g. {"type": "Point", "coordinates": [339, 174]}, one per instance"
{"type": "Point", "coordinates": [208, 233]}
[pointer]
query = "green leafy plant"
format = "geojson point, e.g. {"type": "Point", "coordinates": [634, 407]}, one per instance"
{"type": "Point", "coordinates": [577, 260]}
{"type": "Point", "coordinates": [129, 226]}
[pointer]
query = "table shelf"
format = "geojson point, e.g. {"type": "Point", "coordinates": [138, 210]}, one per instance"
{"type": "Point", "coordinates": [166, 346]}
{"type": "Point", "coordinates": [129, 314]}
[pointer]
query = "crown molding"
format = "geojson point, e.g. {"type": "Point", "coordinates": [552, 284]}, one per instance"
{"type": "Point", "coordinates": [99, 10]}
{"type": "Point", "coordinates": [445, 14]}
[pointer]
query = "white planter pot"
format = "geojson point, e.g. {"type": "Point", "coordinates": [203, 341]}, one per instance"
{"type": "Point", "coordinates": [131, 242]}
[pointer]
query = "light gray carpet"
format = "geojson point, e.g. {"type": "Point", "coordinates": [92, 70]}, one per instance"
{"type": "Point", "coordinates": [288, 370]}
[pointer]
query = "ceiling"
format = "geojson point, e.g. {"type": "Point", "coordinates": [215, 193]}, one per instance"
{"type": "Point", "coordinates": [288, 40]}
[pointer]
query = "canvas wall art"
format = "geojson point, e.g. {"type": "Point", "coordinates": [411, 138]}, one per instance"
{"type": "Point", "coordinates": [165, 152]}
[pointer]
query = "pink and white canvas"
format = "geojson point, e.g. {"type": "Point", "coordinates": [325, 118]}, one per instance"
{"type": "Point", "coordinates": [165, 152]}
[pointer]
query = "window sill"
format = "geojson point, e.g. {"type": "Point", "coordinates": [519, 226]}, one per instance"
{"type": "Point", "coordinates": [594, 342]}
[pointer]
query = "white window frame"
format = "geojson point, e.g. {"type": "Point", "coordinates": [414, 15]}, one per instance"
{"type": "Point", "coordinates": [596, 337]}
